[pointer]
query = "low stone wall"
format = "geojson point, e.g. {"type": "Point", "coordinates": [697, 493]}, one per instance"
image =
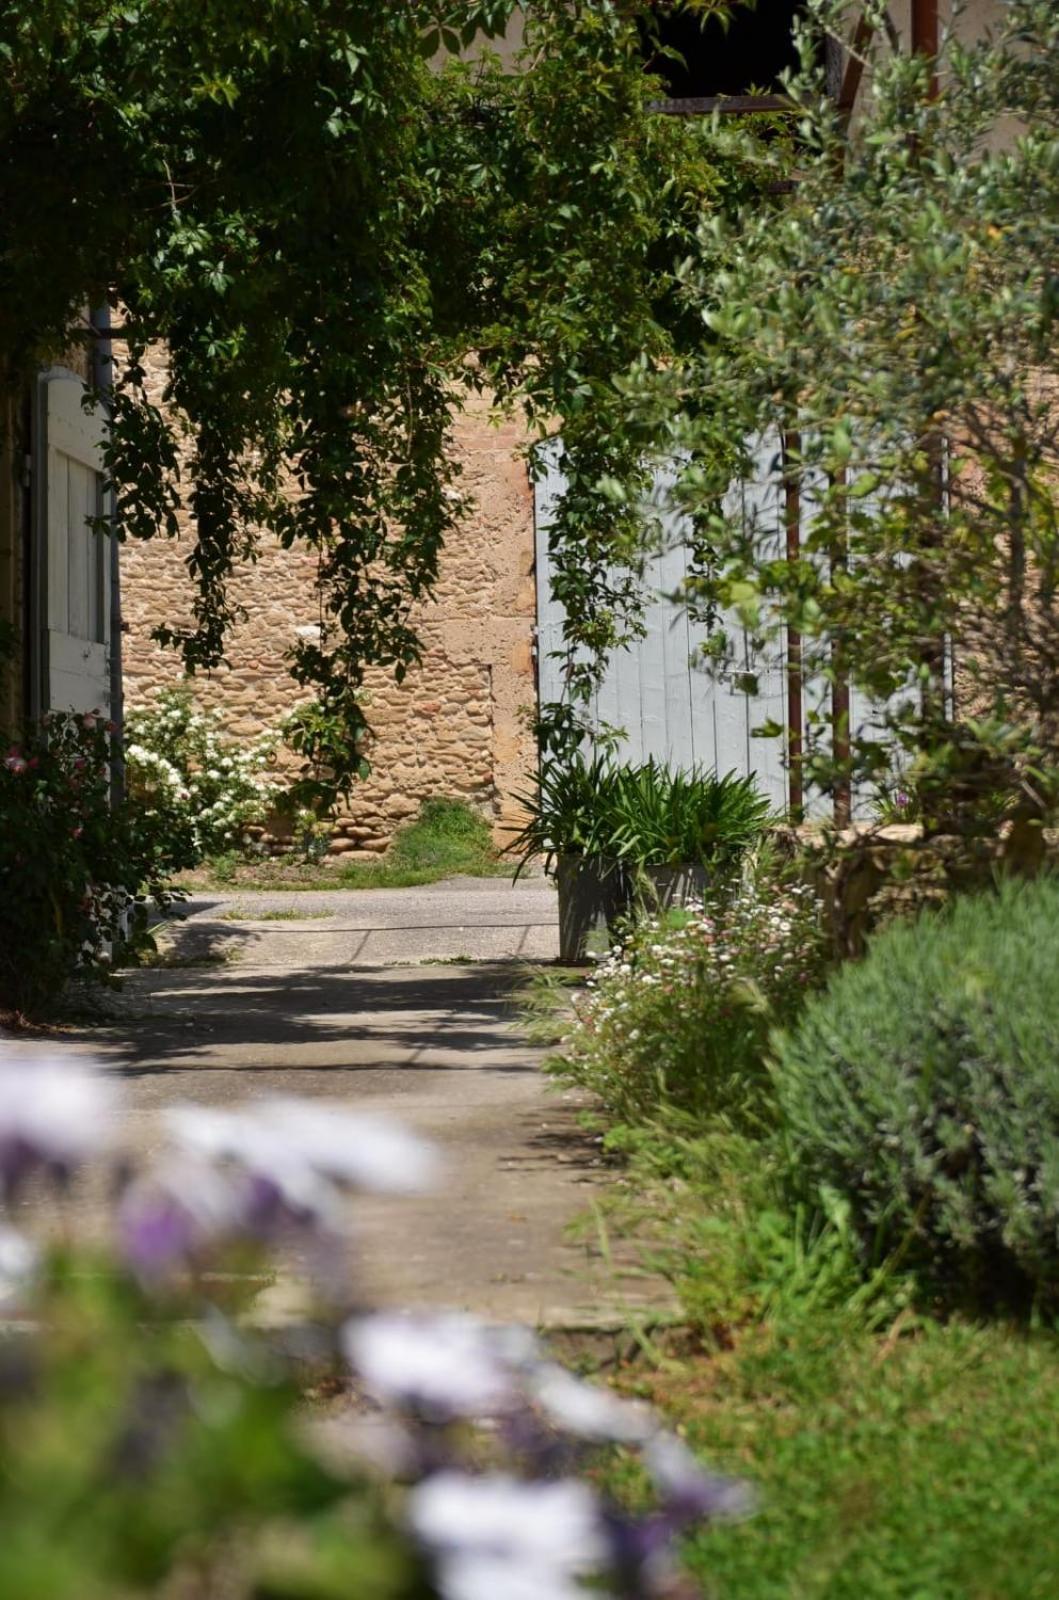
{"type": "Point", "coordinates": [867, 876]}
{"type": "Point", "coordinates": [457, 726]}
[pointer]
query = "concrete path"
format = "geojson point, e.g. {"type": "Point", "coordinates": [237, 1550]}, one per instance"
{"type": "Point", "coordinates": [473, 919]}
{"type": "Point", "coordinates": [316, 1007]}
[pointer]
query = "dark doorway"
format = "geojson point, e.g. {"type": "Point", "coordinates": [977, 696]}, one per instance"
{"type": "Point", "coordinates": [746, 56]}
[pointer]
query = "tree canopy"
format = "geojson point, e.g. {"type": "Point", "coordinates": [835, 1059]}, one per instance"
{"type": "Point", "coordinates": [333, 237]}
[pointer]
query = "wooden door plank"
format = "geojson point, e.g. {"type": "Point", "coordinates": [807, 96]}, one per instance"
{"type": "Point", "coordinates": [77, 617]}
{"type": "Point", "coordinates": [660, 713]}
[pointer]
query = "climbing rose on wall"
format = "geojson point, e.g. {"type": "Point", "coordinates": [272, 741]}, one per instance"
{"type": "Point", "coordinates": [202, 787]}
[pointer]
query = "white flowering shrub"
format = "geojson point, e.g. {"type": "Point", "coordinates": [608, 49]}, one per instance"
{"type": "Point", "coordinates": [680, 1014]}
{"type": "Point", "coordinates": [156, 1441]}
{"type": "Point", "coordinates": [203, 787]}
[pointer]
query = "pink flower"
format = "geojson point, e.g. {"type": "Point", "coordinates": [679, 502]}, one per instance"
{"type": "Point", "coordinates": [15, 762]}
{"type": "Point", "coordinates": [88, 721]}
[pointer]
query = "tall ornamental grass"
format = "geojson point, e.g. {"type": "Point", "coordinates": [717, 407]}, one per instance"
{"type": "Point", "coordinates": [641, 815]}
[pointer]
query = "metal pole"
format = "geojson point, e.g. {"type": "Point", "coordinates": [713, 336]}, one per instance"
{"type": "Point", "coordinates": [792, 445]}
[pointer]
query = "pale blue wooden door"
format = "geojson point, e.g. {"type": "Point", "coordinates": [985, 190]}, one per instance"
{"type": "Point", "coordinates": [667, 704]}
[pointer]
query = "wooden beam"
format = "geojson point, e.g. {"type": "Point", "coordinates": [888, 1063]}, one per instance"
{"type": "Point", "coordinates": [925, 27]}
{"type": "Point", "coordinates": [725, 104]}
{"type": "Point", "coordinates": [847, 94]}
{"type": "Point", "coordinates": [792, 446]}
{"type": "Point", "coordinates": [925, 35]}
{"type": "Point", "coordinates": [840, 693]}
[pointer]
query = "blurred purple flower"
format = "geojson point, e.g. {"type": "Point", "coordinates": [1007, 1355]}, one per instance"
{"type": "Point", "coordinates": [187, 1208]}
{"type": "Point", "coordinates": [495, 1535]}
{"type": "Point", "coordinates": [443, 1364]}
{"type": "Point", "coordinates": [19, 1264]}
{"type": "Point", "coordinates": [360, 1150]}
{"type": "Point", "coordinates": [54, 1115]}
{"type": "Point", "coordinates": [302, 1148]}
{"type": "Point", "coordinates": [688, 1491]}
{"type": "Point", "coordinates": [490, 1577]}
{"type": "Point", "coordinates": [586, 1409]}
{"type": "Point", "coordinates": [173, 1216]}
{"type": "Point", "coordinates": [281, 1180]}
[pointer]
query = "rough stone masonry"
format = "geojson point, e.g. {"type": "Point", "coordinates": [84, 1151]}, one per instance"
{"type": "Point", "coordinates": [458, 725]}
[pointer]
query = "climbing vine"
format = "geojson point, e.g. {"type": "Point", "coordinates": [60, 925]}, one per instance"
{"type": "Point", "coordinates": [333, 235]}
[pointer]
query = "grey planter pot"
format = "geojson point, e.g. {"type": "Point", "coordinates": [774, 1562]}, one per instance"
{"type": "Point", "coordinates": [593, 895]}
{"type": "Point", "coordinates": [661, 888]}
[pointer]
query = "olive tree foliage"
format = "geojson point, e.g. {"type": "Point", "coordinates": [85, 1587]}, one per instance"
{"type": "Point", "coordinates": [334, 239]}
{"type": "Point", "coordinates": [896, 322]}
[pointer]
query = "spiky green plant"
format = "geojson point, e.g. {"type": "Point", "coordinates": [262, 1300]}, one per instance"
{"type": "Point", "coordinates": [643, 815]}
{"type": "Point", "coordinates": [665, 818]}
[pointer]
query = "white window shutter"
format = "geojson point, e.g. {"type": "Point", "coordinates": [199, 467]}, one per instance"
{"type": "Point", "coordinates": [77, 556]}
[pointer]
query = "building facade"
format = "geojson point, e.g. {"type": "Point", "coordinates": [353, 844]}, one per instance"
{"type": "Point", "coordinates": [458, 726]}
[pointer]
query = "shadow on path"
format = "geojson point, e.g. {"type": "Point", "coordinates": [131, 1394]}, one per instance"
{"type": "Point", "coordinates": [220, 1019]}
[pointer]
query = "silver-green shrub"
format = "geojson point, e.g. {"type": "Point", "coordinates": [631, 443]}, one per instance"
{"type": "Point", "coordinates": [924, 1087]}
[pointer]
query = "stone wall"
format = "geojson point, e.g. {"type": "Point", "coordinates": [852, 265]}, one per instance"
{"type": "Point", "coordinates": [457, 726]}
{"type": "Point", "coordinates": [870, 874]}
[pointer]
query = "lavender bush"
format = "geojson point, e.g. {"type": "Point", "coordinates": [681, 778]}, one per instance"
{"type": "Point", "coordinates": [152, 1441]}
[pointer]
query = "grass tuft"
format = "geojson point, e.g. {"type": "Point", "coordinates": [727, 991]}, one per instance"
{"type": "Point", "coordinates": [447, 839]}
{"type": "Point", "coordinates": [914, 1465]}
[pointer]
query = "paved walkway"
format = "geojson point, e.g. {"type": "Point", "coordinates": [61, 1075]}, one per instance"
{"type": "Point", "coordinates": [320, 1007]}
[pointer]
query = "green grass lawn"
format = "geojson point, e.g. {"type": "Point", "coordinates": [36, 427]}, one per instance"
{"type": "Point", "coordinates": [899, 1451]}
{"type": "Point", "coordinates": [920, 1466]}
{"type": "Point", "coordinates": [898, 1455]}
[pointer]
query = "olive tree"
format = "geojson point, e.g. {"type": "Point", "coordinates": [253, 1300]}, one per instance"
{"type": "Point", "coordinates": [894, 323]}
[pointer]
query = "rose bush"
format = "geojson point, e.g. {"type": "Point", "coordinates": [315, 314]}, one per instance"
{"type": "Point", "coordinates": [77, 869]}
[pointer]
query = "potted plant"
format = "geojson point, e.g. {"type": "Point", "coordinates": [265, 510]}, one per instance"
{"type": "Point", "coordinates": [622, 833]}
{"type": "Point", "coordinates": [676, 832]}
{"type": "Point", "coordinates": [570, 826]}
